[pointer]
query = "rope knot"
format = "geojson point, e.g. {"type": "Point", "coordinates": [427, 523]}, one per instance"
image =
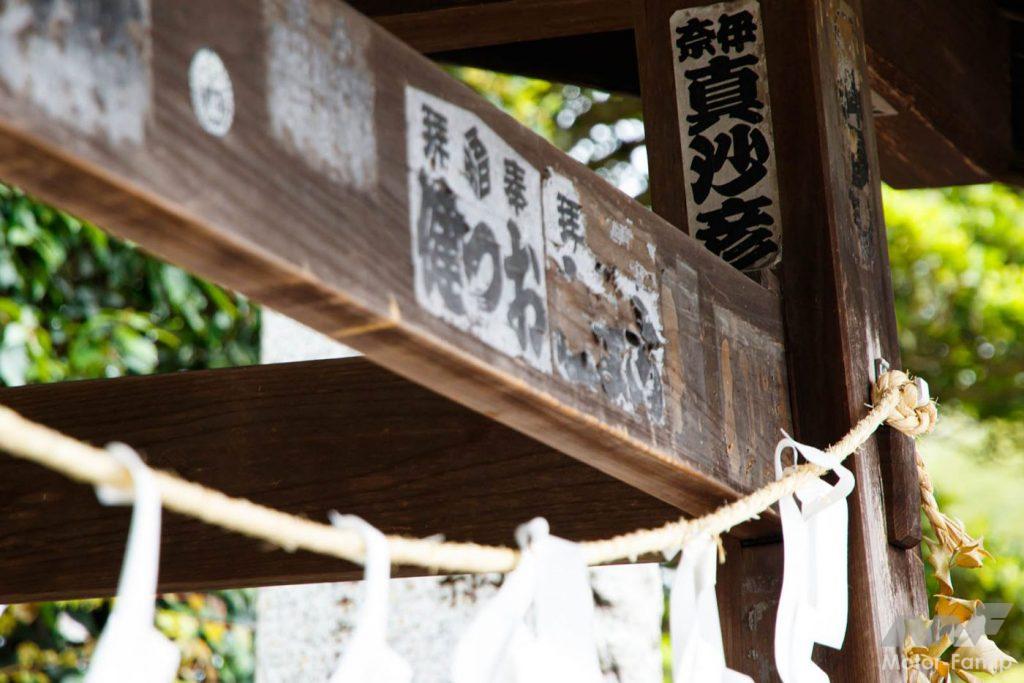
{"type": "Point", "coordinates": [914, 414]}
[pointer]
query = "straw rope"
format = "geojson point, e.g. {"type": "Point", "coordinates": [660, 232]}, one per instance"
{"type": "Point", "coordinates": [896, 403]}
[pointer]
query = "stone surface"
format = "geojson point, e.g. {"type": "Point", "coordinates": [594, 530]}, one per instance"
{"type": "Point", "coordinates": [301, 630]}
{"type": "Point", "coordinates": [283, 340]}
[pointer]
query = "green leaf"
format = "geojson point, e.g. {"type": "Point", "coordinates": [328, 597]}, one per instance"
{"type": "Point", "coordinates": [15, 360]}
{"type": "Point", "coordinates": [138, 353]}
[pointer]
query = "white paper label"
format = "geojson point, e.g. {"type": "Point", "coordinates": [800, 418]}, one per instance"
{"type": "Point", "coordinates": [732, 196]}
{"type": "Point", "coordinates": [628, 363]}
{"type": "Point", "coordinates": [478, 241]}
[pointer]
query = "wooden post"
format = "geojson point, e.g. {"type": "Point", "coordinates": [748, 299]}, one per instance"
{"type": "Point", "coordinates": [837, 294]}
{"type": "Point", "coordinates": [838, 297]}
{"type": "Point", "coordinates": [750, 580]}
{"type": "Point", "coordinates": [749, 584]}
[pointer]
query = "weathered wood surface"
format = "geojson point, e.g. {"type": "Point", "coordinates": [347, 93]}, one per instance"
{"type": "Point", "coordinates": [302, 437]}
{"type": "Point", "coordinates": [901, 492]}
{"type": "Point", "coordinates": [447, 24]}
{"type": "Point", "coordinates": [942, 65]}
{"type": "Point", "coordinates": [750, 580]}
{"type": "Point", "coordinates": [838, 301]}
{"type": "Point", "coordinates": [749, 584]}
{"type": "Point", "coordinates": [838, 295]}
{"type": "Point", "coordinates": [945, 68]}
{"type": "Point", "coordinates": [658, 364]}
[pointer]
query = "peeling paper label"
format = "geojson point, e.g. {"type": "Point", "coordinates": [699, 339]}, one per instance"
{"type": "Point", "coordinates": [86, 64]}
{"type": "Point", "coordinates": [320, 91]}
{"type": "Point", "coordinates": [509, 257]}
{"type": "Point", "coordinates": [853, 119]}
{"type": "Point", "coordinates": [732, 194]}
{"type": "Point", "coordinates": [621, 351]}
{"type": "Point", "coordinates": [477, 237]}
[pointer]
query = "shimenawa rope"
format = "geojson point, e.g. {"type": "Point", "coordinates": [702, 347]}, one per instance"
{"type": "Point", "coordinates": [895, 402]}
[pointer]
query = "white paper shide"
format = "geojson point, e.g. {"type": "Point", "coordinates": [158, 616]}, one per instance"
{"type": "Point", "coordinates": [813, 604]}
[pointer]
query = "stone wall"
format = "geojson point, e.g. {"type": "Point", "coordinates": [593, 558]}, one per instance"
{"type": "Point", "coordinates": [301, 630]}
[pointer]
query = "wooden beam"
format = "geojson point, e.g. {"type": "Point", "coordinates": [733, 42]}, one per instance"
{"type": "Point", "coordinates": [606, 61]}
{"type": "Point", "coordinates": [302, 437]}
{"type": "Point", "coordinates": [456, 24]}
{"type": "Point", "coordinates": [943, 88]}
{"type": "Point", "coordinates": [944, 68]}
{"type": "Point", "coordinates": [589, 324]}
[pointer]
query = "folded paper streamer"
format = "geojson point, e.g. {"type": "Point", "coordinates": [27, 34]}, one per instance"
{"type": "Point", "coordinates": [697, 652]}
{"type": "Point", "coordinates": [814, 600]}
{"type": "Point", "coordinates": [923, 397]}
{"type": "Point", "coordinates": [367, 657]}
{"type": "Point", "coordinates": [130, 646]}
{"type": "Point", "coordinates": [539, 628]}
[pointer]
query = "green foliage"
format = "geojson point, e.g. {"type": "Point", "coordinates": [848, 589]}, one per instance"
{"type": "Point", "coordinates": [987, 499]}
{"type": "Point", "coordinates": [53, 641]}
{"type": "Point", "coordinates": [958, 274]}
{"type": "Point", "coordinates": [604, 131]}
{"type": "Point", "coordinates": [957, 260]}
{"type": "Point", "coordinates": [75, 303]}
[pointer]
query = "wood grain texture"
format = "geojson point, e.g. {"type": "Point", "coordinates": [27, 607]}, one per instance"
{"type": "Point", "coordinates": [749, 584]}
{"type": "Point", "coordinates": [945, 68]}
{"type": "Point", "coordinates": [838, 294]}
{"type": "Point", "coordinates": [947, 77]}
{"type": "Point", "coordinates": [304, 438]}
{"type": "Point", "coordinates": [656, 67]}
{"type": "Point", "coordinates": [319, 228]}
{"type": "Point", "coordinates": [447, 25]}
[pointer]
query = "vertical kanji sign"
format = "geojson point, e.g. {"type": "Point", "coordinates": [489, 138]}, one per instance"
{"type": "Point", "coordinates": [726, 131]}
{"type": "Point", "coordinates": [478, 241]}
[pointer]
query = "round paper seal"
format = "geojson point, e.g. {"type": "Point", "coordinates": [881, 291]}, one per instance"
{"type": "Point", "coordinates": [213, 98]}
